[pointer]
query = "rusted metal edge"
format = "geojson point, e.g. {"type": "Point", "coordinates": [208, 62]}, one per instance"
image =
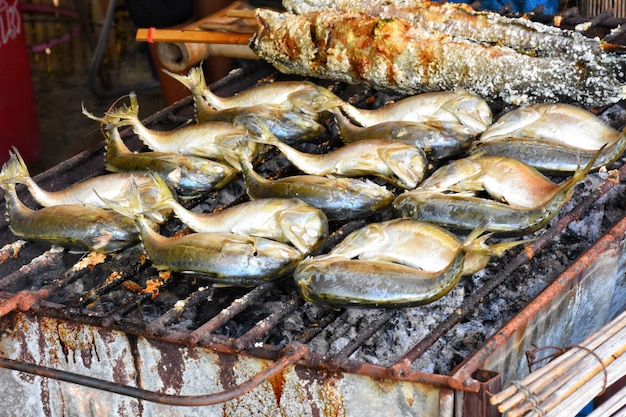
{"type": "Point", "coordinates": [291, 355]}
{"type": "Point", "coordinates": [462, 377]}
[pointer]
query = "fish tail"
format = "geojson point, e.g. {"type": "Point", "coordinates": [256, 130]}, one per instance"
{"type": "Point", "coordinates": [194, 80]}
{"type": "Point", "coordinates": [475, 241]}
{"type": "Point", "coordinates": [14, 170]}
{"type": "Point", "coordinates": [582, 172]}
{"type": "Point", "coordinates": [166, 197]}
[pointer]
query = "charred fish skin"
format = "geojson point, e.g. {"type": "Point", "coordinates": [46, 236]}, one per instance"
{"type": "Point", "coordinates": [338, 198]}
{"type": "Point", "coordinates": [341, 282]}
{"type": "Point", "coordinates": [189, 176]}
{"type": "Point", "coordinates": [74, 226]}
{"type": "Point", "coordinates": [393, 55]}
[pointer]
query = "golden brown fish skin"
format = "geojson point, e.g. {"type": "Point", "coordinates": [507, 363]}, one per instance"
{"type": "Point", "coordinates": [458, 19]}
{"type": "Point", "coordinates": [391, 54]}
{"type": "Point", "coordinates": [505, 179]}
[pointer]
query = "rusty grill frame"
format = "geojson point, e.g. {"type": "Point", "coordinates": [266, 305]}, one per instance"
{"type": "Point", "coordinates": [467, 377]}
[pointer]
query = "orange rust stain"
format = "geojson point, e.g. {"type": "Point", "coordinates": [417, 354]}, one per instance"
{"type": "Point", "coordinates": [278, 383]}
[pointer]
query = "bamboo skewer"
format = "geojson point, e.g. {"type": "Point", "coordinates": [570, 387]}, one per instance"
{"type": "Point", "coordinates": [598, 362]}
{"type": "Point", "coordinates": [224, 33]}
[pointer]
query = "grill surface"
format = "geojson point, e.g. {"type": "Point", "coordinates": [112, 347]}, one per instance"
{"type": "Point", "coordinates": [123, 292]}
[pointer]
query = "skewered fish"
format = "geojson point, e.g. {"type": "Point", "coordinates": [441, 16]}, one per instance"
{"type": "Point", "coordinates": [393, 264]}
{"type": "Point", "coordinates": [338, 198]}
{"type": "Point", "coordinates": [552, 137]}
{"type": "Point", "coordinates": [225, 258]}
{"type": "Point", "coordinates": [437, 140]}
{"type": "Point", "coordinates": [457, 19]}
{"type": "Point", "coordinates": [75, 226]}
{"type": "Point", "coordinates": [113, 186]}
{"type": "Point", "coordinates": [284, 220]}
{"type": "Point", "coordinates": [464, 210]}
{"type": "Point", "coordinates": [189, 176]}
{"type": "Point", "coordinates": [392, 54]}
{"type": "Point", "coordinates": [399, 163]}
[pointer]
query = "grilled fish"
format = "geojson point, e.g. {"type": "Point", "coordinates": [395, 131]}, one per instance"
{"type": "Point", "coordinates": [505, 179]}
{"type": "Point", "coordinates": [205, 140]}
{"type": "Point", "coordinates": [364, 270]}
{"type": "Point", "coordinates": [399, 163]}
{"type": "Point", "coordinates": [284, 220]}
{"type": "Point", "coordinates": [392, 54]}
{"type": "Point", "coordinates": [460, 20]}
{"type": "Point", "coordinates": [189, 176]}
{"type": "Point", "coordinates": [304, 96]}
{"type": "Point", "coordinates": [467, 112]}
{"type": "Point", "coordinates": [225, 258]}
{"type": "Point", "coordinates": [74, 226]}
{"type": "Point", "coordinates": [338, 198]}
{"type": "Point", "coordinates": [552, 137]}
{"type": "Point", "coordinates": [112, 186]}
{"type": "Point", "coordinates": [464, 210]}
{"type": "Point", "coordinates": [437, 140]}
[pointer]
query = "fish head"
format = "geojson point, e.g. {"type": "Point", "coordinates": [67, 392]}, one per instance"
{"type": "Point", "coordinates": [450, 175]}
{"type": "Point", "coordinates": [305, 227]}
{"type": "Point", "coordinates": [471, 111]}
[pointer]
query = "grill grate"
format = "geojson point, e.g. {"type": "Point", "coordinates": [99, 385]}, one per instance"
{"type": "Point", "coordinates": [123, 292]}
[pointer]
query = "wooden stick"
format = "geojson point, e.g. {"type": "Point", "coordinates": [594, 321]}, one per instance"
{"type": "Point", "coordinates": [192, 36]}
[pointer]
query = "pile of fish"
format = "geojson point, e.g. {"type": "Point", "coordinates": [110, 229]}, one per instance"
{"type": "Point", "coordinates": [420, 46]}
{"type": "Point", "coordinates": [431, 174]}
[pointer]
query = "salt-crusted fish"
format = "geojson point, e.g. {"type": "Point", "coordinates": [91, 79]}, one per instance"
{"type": "Point", "coordinates": [113, 186]}
{"type": "Point", "coordinates": [552, 137]}
{"type": "Point", "coordinates": [189, 176]}
{"type": "Point", "coordinates": [393, 264]}
{"type": "Point", "coordinates": [465, 210]}
{"type": "Point", "coordinates": [225, 258]}
{"type": "Point", "coordinates": [74, 226]}
{"type": "Point", "coordinates": [398, 163]}
{"type": "Point", "coordinates": [284, 220]}
{"type": "Point", "coordinates": [458, 19]}
{"type": "Point", "coordinates": [437, 140]}
{"type": "Point", "coordinates": [389, 53]}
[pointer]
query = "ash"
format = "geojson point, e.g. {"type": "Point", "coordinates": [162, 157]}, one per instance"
{"type": "Point", "coordinates": [407, 327]}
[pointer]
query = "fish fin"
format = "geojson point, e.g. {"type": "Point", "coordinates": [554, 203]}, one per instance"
{"type": "Point", "coordinates": [14, 170]}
